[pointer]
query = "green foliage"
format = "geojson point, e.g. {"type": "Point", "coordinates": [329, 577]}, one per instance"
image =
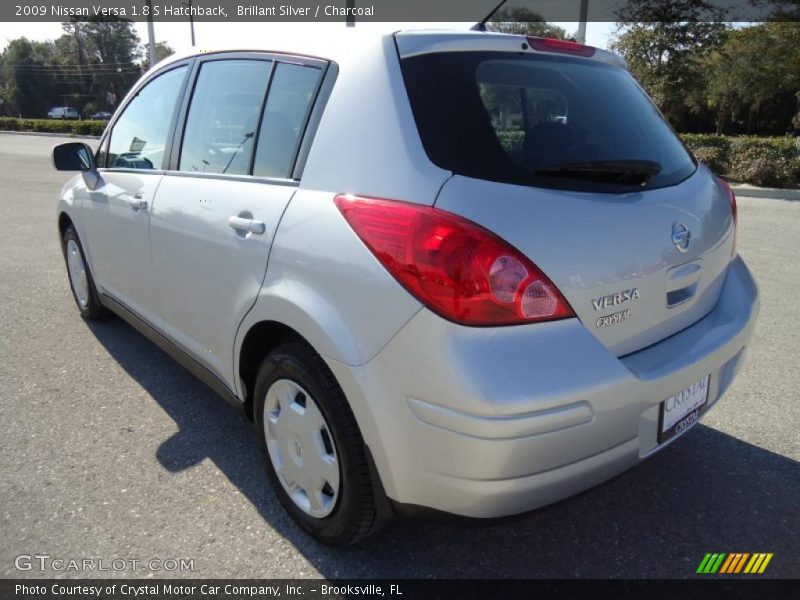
{"type": "Point", "coordinates": [713, 150]}
{"type": "Point", "coordinates": [753, 66]}
{"type": "Point", "coordinates": [715, 158]}
{"type": "Point", "coordinates": [666, 58]}
{"type": "Point", "coordinates": [708, 76]}
{"type": "Point", "coordinates": [707, 140]}
{"type": "Point", "coordinates": [758, 160]}
{"type": "Point", "coordinates": [90, 67]}
{"type": "Point", "coordinates": [511, 140]}
{"type": "Point", "coordinates": [523, 21]}
{"type": "Point", "coordinates": [163, 50]}
{"type": "Point", "coordinates": [86, 127]}
{"type": "Point", "coordinates": [22, 63]}
{"type": "Point", "coordinates": [764, 162]}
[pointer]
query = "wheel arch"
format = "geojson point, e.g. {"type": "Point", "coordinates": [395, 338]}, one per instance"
{"type": "Point", "coordinates": [290, 311]}
{"type": "Point", "coordinates": [64, 221]}
{"type": "Point", "coordinates": [261, 338]}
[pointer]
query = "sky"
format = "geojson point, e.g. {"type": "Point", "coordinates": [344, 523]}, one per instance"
{"type": "Point", "coordinates": [178, 36]}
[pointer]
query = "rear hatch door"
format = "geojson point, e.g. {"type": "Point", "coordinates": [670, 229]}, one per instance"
{"type": "Point", "coordinates": [562, 154]}
{"type": "Point", "coordinates": [614, 257]}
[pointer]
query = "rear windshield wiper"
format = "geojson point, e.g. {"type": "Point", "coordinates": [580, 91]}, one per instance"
{"type": "Point", "coordinates": [630, 172]}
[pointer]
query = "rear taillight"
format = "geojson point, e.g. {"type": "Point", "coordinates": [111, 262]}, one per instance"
{"type": "Point", "coordinates": [734, 210]}
{"type": "Point", "coordinates": [554, 45]}
{"type": "Point", "coordinates": [453, 266]}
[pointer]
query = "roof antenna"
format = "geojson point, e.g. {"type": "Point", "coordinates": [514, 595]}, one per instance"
{"type": "Point", "coordinates": [482, 25]}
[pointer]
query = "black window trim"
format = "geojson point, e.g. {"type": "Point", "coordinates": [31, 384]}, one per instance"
{"type": "Point", "coordinates": [304, 125]}
{"type": "Point", "coordinates": [314, 117]}
{"type": "Point", "coordinates": [180, 126]}
{"type": "Point", "coordinates": [107, 134]}
{"type": "Point", "coordinates": [180, 132]}
{"type": "Point", "coordinates": [329, 73]}
{"type": "Point", "coordinates": [273, 67]}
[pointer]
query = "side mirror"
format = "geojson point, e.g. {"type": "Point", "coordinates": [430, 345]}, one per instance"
{"type": "Point", "coordinates": [73, 156]}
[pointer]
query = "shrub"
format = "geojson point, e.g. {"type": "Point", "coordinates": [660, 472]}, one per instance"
{"type": "Point", "coordinates": [696, 140]}
{"type": "Point", "coordinates": [9, 124]}
{"type": "Point", "coordinates": [765, 161]}
{"type": "Point", "coordinates": [90, 127]}
{"type": "Point", "coordinates": [87, 127]}
{"type": "Point", "coordinates": [713, 150]}
{"type": "Point", "coordinates": [715, 158]}
{"type": "Point", "coordinates": [511, 140]}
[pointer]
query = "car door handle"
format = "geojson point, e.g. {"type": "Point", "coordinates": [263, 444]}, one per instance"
{"type": "Point", "coordinates": [137, 203]}
{"type": "Point", "coordinates": [247, 225]}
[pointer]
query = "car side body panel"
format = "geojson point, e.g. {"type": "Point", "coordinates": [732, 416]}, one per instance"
{"type": "Point", "coordinates": [207, 273]}
{"type": "Point", "coordinates": [120, 238]}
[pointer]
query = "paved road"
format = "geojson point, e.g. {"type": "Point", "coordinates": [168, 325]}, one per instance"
{"type": "Point", "coordinates": [109, 449]}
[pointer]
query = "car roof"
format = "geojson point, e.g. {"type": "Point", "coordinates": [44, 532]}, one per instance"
{"type": "Point", "coordinates": [333, 47]}
{"type": "Point", "coordinates": [350, 42]}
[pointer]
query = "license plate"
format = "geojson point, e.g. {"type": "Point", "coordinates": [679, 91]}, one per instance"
{"type": "Point", "coordinates": [680, 411]}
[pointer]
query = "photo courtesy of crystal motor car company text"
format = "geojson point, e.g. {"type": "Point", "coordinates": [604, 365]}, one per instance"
{"type": "Point", "coordinates": [418, 296]}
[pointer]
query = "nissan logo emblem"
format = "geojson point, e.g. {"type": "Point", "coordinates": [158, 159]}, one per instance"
{"type": "Point", "coordinates": [681, 236]}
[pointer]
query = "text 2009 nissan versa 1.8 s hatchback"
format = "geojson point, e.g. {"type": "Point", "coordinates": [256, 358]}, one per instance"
{"type": "Point", "coordinates": [469, 272]}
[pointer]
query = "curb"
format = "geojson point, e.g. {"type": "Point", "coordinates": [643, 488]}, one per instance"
{"type": "Point", "coordinates": [51, 134]}
{"type": "Point", "coordinates": [746, 190]}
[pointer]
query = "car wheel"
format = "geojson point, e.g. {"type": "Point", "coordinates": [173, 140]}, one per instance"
{"type": "Point", "coordinates": [314, 453]}
{"type": "Point", "coordinates": [80, 278]}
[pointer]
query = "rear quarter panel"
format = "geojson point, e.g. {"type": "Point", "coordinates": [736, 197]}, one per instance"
{"type": "Point", "coordinates": [326, 285]}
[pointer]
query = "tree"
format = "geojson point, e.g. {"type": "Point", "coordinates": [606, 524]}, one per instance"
{"type": "Point", "coordinates": [663, 41]}
{"type": "Point", "coordinates": [163, 50]}
{"type": "Point", "coordinates": [115, 51]}
{"type": "Point", "coordinates": [28, 84]}
{"type": "Point", "coordinates": [522, 21]}
{"type": "Point", "coordinates": [757, 66]}
{"type": "Point", "coordinates": [93, 61]}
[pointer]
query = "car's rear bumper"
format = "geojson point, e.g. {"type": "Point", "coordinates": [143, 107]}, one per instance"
{"type": "Point", "coordinates": [488, 422]}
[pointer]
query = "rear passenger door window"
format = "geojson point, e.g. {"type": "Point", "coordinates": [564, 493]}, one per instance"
{"type": "Point", "coordinates": [221, 126]}
{"type": "Point", "coordinates": [291, 95]}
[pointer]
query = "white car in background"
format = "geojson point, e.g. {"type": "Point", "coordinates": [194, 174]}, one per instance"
{"type": "Point", "coordinates": [63, 112]}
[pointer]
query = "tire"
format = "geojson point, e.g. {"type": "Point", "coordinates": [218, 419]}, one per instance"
{"type": "Point", "coordinates": [84, 293]}
{"type": "Point", "coordinates": [295, 369]}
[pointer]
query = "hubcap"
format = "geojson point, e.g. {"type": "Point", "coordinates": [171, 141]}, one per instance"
{"type": "Point", "coordinates": [77, 273]}
{"type": "Point", "coordinates": [300, 448]}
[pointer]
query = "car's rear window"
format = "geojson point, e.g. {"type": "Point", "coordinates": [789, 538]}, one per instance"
{"type": "Point", "coordinates": [514, 118]}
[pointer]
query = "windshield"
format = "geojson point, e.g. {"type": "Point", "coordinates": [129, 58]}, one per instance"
{"type": "Point", "coordinates": [547, 121]}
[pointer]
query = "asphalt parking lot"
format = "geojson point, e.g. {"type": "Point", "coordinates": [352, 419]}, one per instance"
{"type": "Point", "coordinates": [109, 449]}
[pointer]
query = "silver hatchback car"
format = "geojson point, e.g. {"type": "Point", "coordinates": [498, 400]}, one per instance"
{"type": "Point", "coordinates": [468, 272]}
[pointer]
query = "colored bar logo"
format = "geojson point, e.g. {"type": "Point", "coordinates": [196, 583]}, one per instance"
{"type": "Point", "coordinates": [733, 563]}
